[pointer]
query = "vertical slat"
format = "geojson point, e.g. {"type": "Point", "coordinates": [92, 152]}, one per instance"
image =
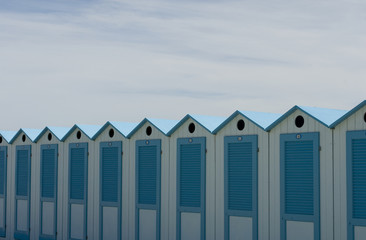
{"type": "Point", "coordinates": [2, 172]}
{"type": "Point", "coordinates": [22, 173]}
{"type": "Point", "coordinates": [359, 178]}
{"type": "Point", "coordinates": [147, 174]}
{"type": "Point", "coordinates": [48, 177]}
{"type": "Point", "coordinates": [77, 174]}
{"type": "Point", "coordinates": [110, 174]}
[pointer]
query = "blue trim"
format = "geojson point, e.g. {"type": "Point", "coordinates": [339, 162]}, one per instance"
{"type": "Point", "coordinates": [102, 203]}
{"type": "Point", "coordinates": [349, 113]}
{"type": "Point", "coordinates": [22, 234]}
{"type": "Point", "coordinates": [253, 139]}
{"type": "Point", "coordinates": [52, 200]}
{"type": "Point", "coordinates": [84, 201]}
{"type": "Point", "coordinates": [4, 195]}
{"type": "Point", "coordinates": [7, 135]}
{"type": "Point", "coordinates": [315, 218]}
{"type": "Point", "coordinates": [351, 221]}
{"type": "Point", "coordinates": [92, 130]}
{"type": "Point", "coordinates": [157, 205]}
{"type": "Point", "coordinates": [152, 122]}
{"type": "Point", "coordinates": [202, 208]}
{"type": "Point", "coordinates": [59, 135]}
{"type": "Point", "coordinates": [124, 128]}
{"type": "Point", "coordinates": [30, 133]}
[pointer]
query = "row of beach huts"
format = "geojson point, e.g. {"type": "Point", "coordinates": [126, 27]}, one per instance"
{"type": "Point", "coordinates": [298, 175]}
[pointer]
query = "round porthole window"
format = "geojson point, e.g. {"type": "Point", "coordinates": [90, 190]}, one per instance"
{"type": "Point", "coordinates": [148, 131]}
{"type": "Point", "coordinates": [1, 139]}
{"type": "Point", "coordinates": [23, 138]}
{"type": "Point", "coordinates": [191, 127]}
{"type": "Point", "coordinates": [240, 125]}
{"type": "Point", "coordinates": [299, 121]}
{"type": "Point", "coordinates": [78, 135]}
{"type": "Point", "coordinates": [111, 133]}
{"type": "Point", "coordinates": [49, 137]}
{"type": "Point", "coordinates": [364, 117]}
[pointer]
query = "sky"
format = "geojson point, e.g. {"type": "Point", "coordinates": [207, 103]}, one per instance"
{"type": "Point", "coordinates": [88, 62]}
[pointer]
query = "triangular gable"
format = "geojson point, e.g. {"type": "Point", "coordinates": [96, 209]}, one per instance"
{"type": "Point", "coordinates": [123, 128]}
{"type": "Point", "coordinates": [323, 115]}
{"type": "Point", "coordinates": [348, 114]}
{"type": "Point", "coordinates": [59, 132]}
{"type": "Point", "coordinates": [8, 135]}
{"type": "Point", "coordinates": [163, 125]}
{"type": "Point", "coordinates": [210, 123]}
{"type": "Point", "coordinates": [32, 134]}
{"type": "Point", "coordinates": [260, 119]}
{"type": "Point", "coordinates": [88, 130]}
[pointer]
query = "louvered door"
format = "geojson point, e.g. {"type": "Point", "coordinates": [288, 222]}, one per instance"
{"type": "Point", "coordinates": [110, 190]}
{"type": "Point", "coordinates": [191, 188]}
{"type": "Point", "coordinates": [3, 189]}
{"type": "Point", "coordinates": [356, 184]}
{"type": "Point", "coordinates": [78, 190]}
{"type": "Point", "coordinates": [148, 169]}
{"type": "Point", "coordinates": [240, 169]}
{"type": "Point", "coordinates": [48, 204]}
{"type": "Point", "coordinates": [22, 191]}
{"type": "Point", "coordinates": [299, 160]}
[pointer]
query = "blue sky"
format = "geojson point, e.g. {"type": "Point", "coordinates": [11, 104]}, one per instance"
{"type": "Point", "coordinates": [66, 62]}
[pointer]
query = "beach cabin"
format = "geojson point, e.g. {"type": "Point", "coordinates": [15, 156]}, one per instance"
{"type": "Point", "coordinates": [25, 204]}
{"type": "Point", "coordinates": [192, 178]}
{"type": "Point", "coordinates": [6, 199]}
{"type": "Point", "coordinates": [111, 185]}
{"type": "Point", "coordinates": [350, 174]}
{"type": "Point", "coordinates": [78, 181]}
{"type": "Point", "coordinates": [242, 176]}
{"type": "Point", "coordinates": [51, 161]}
{"type": "Point", "coordinates": [149, 180]}
{"type": "Point", "coordinates": [301, 174]}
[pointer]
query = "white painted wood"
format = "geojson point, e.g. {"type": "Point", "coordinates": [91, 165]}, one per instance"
{"type": "Point", "coordinates": [263, 174]}
{"type": "Point", "coordinates": [182, 132]}
{"type": "Point", "coordinates": [326, 172]}
{"type": "Point", "coordinates": [352, 123]}
{"type": "Point", "coordinates": [22, 215]}
{"type": "Point", "coordinates": [360, 233]}
{"type": "Point", "coordinates": [240, 228]}
{"type": "Point", "coordinates": [299, 230]}
{"type": "Point", "coordinates": [110, 226]}
{"type": "Point", "coordinates": [77, 221]}
{"type": "Point", "coordinates": [60, 177]}
{"type": "Point", "coordinates": [147, 224]}
{"type": "Point", "coordinates": [165, 162]}
{"type": "Point", "coordinates": [118, 137]}
{"type": "Point", "coordinates": [190, 223]}
{"type": "Point", "coordinates": [48, 218]}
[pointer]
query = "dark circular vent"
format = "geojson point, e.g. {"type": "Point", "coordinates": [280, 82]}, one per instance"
{"type": "Point", "coordinates": [191, 128]}
{"type": "Point", "coordinates": [111, 133]}
{"type": "Point", "coordinates": [148, 131]}
{"type": "Point", "coordinates": [299, 121]}
{"type": "Point", "coordinates": [240, 125]}
{"type": "Point", "coordinates": [23, 138]}
{"type": "Point", "coordinates": [78, 135]}
{"type": "Point", "coordinates": [49, 137]}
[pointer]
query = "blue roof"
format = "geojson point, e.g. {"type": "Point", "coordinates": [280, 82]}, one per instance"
{"type": "Point", "coordinates": [260, 119]}
{"type": "Point", "coordinates": [88, 130]}
{"type": "Point", "coordinates": [32, 134]}
{"type": "Point", "coordinates": [210, 123]}
{"type": "Point", "coordinates": [8, 135]}
{"type": "Point", "coordinates": [123, 128]}
{"type": "Point", "coordinates": [348, 114]}
{"type": "Point", "coordinates": [323, 115]}
{"type": "Point", "coordinates": [59, 132]}
{"type": "Point", "coordinates": [163, 125]}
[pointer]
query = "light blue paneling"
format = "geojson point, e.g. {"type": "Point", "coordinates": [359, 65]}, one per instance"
{"type": "Point", "coordinates": [110, 180]}
{"type": "Point", "coordinates": [241, 174]}
{"type": "Point", "coordinates": [22, 185]}
{"type": "Point", "coordinates": [49, 160]}
{"type": "Point", "coordinates": [78, 180]}
{"type": "Point", "coordinates": [148, 177]}
{"type": "Point", "coordinates": [3, 181]}
{"type": "Point", "coordinates": [356, 180]}
{"type": "Point", "coordinates": [191, 180]}
{"type": "Point", "coordinates": [299, 160]}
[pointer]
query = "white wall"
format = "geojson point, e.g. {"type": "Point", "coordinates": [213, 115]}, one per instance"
{"type": "Point", "coordinates": [263, 192]}
{"type": "Point", "coordinates": [326, 172]}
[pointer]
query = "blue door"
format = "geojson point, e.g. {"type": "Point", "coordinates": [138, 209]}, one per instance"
{"type": "Point", "coordinates": [110, 190]}
{"type": "Point", "coordinates": [356, 184]}
{"type": "Point", "coordinates": [191, 188]}
{"type": "Point", "coordinates": [240, 166]}
{"type": "Point", "coordinates": [299, 160]}
{"type": "Point", "coordinates": [78, 190]}
{"type": "Point", "coordinates": [148, 161]}
{"type": "Point", "coordinates": [22, 191]}
{"type": "Point", "coordinates": [3, 193]}
{"type": "Point", "coordinates": [48, 198]}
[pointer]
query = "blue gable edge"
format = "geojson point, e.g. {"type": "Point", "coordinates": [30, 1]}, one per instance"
{"type": "Point", "coordinates": [128, 127]}
{"type": "Point", "coordinates": [348, 114]}
{"type": "Point", "coordinates": [32, 134]}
